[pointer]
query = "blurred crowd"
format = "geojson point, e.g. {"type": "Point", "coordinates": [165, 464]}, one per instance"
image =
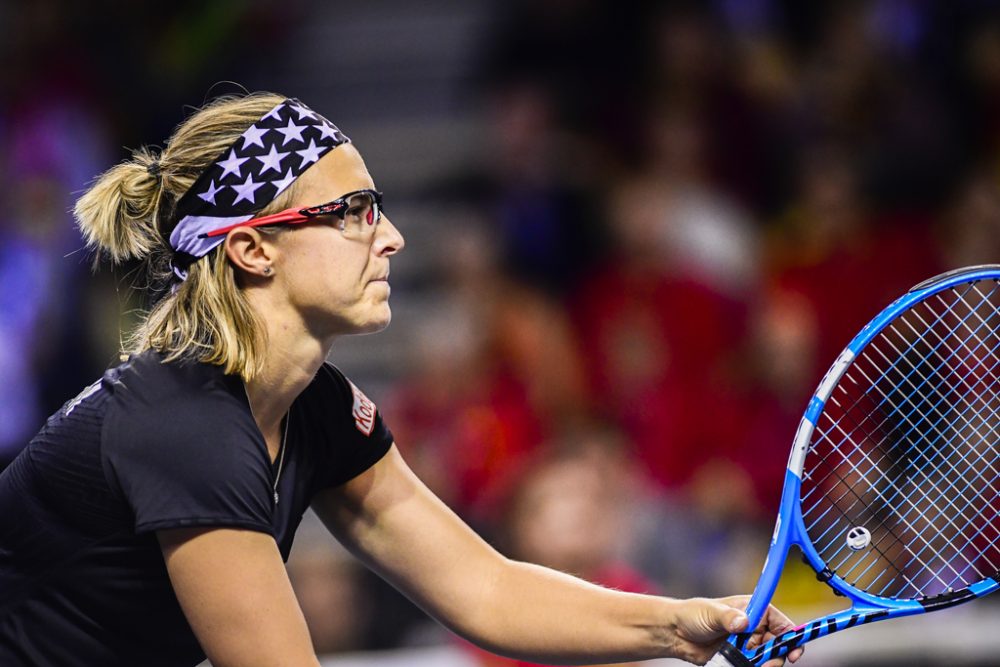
{"type": "Point", "coordinates": [681, 213]}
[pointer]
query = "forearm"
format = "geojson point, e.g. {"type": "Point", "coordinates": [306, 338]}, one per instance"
{"type": "Point", "coordinates": [538, 614]}
{"type": "Point", "coordinates": [398, 528]}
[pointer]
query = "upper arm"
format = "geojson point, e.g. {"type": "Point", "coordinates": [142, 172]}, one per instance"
{"type": "Point", "coordinates": [393, 523]}
{"type": "Point", "coordinates": [235, 593]}
{"type": "Point", "coordinates": [196, 460]}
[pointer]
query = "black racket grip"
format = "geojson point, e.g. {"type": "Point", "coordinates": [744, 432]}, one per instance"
{"type": "Point", "coordinates": [729, 656]}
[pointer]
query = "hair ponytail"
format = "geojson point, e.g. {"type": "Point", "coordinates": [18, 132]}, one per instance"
{"type": "Point", "coordinates": [128, 214]}
{"type": "Point", "coordinates": [117, 215]}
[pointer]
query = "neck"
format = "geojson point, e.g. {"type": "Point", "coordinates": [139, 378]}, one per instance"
{"type": "Point", "coordinates": [291, 360]}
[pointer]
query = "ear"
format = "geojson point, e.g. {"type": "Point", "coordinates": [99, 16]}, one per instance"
{"type": "Point", "coordinates": [251, 252]}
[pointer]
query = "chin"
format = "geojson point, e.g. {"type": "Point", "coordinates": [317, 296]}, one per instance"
{"type": "Point", "coordinates": [369, 320]}
{"type": "Point", "coordinates": [376, 324]}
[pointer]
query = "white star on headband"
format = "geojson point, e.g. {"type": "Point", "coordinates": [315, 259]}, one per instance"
{"type": "Point", "coordinates": [253, 136]}
{"type": "Point", "coordinates": [232, 164]}
{"type": "Point", "coordinates": [326, 131]}
{"type": "Point", "coordinates": [291, 131]}
{"type": "Point", "coordinates": [310, 153]}
{"type": "Point", "coordinates": [304, 112]}
{"type": "Point", "coordinates": [283, 183]}
{"type": "Point", "coordinates": [245, 190]}
{"type": "Point", "coordinates": [209, 195]}
{"type": "Point", "coordinates": [274, 113]}
{"type": "Point", "coordinates": [272, 160]}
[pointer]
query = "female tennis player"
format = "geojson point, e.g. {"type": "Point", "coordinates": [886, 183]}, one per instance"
{"type": "Point", "coordinates": [147, 522]}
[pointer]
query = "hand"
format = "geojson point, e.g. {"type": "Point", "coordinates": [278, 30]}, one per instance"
{"type": "Point", "coordinates": [702, 624]}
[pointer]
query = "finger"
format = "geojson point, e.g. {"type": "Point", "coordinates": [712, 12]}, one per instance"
{"type": "Point", "coordinates": [792, 656]}
{"type": "Point", "coordinates": [719, 617]}
{"type": "Point", "coordinates": [776, 621]}
{"type": "Point", "coordinates": [734, 620]}
{"type": "Point", "coordinates": [738, 601]}
{"type": "Point", "coordinates": [766, 636]}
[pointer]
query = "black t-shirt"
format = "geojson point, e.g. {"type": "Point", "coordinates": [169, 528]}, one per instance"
{"type": "Point", "coordinates": [152, 446]}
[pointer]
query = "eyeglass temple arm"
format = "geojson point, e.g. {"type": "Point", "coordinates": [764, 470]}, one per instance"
{"type": "Point", "coordinates": [291, 215]}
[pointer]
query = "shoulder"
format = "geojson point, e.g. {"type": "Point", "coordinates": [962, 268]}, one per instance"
{"type": "Point", "coordinates": [328, 379]}
{"type": "Point", "coordinates": [344, 427]}
{"type": "Point", "coordinates": [168, 406]}
{"type": "Point", "coordinates": [180, 442]}
{"type": "Point", "coordinates": [331, 389]}
{"type": "Point", "coordinates": [176, 394]}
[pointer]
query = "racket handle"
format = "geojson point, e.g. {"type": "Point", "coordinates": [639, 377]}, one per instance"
{"type": "Point", "coordinates": [729, 656]}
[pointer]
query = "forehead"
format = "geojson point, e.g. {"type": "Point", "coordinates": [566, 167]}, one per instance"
{"type": "Point", "coordinates": [340, 171]}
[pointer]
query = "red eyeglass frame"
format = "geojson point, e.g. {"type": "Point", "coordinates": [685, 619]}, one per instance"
{"type": "Point", "coordinates": [291, 216]}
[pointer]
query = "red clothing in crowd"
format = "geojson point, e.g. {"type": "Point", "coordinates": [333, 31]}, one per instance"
{"type": "Point", "coordinates": [653, 345]}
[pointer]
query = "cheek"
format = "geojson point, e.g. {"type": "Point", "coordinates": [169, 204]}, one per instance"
{"type": "Point", "coordinates": [327, 272]}
{"type": "Point", "coordinates": [334, 282]}
{"type": "Point", "coordinates": [331, 278]}
{"type": "Point", "coordinates": [320, 262]}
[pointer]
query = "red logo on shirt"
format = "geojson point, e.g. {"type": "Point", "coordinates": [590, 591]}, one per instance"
{"type": "Point", "coordinates": [364, 411]}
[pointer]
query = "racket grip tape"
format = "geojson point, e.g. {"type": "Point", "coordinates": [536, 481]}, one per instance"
{"type": "Point", "coordinates": [729, 656]}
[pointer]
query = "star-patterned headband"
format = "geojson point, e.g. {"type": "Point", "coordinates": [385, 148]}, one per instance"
{"type": "Point", "coordinates": [258, 167]}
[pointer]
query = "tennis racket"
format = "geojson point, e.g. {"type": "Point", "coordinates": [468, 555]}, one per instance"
{"type": "Point", "coordinates": [892, 490]}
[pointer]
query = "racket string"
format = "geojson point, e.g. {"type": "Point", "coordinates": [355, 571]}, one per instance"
{"type": "Point", "coordinates": [964, 441]}
{"type": "Point", "coordinates": [907, 445]}
{"type": "Point", "coordinates": [863, 395]}
{"type": "Point", "coordinates": [857, 425]}
{"type": "Point", "coordinates": [887, 530]}
{"type": "Point", "coordinates": [913, 506]}
{"type": "Point", "coordinates": [875, 465]}
{"type": "Point", "coordinates": [971, 353]}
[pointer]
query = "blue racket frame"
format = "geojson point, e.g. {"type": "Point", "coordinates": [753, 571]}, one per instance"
{"type": "Point", "coordinates": [790, 527]}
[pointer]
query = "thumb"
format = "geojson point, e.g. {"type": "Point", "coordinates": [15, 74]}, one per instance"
{"type": "Point", "coordinates": [712, 620]}
{"type": "Point", "coordinates": [733, 620]}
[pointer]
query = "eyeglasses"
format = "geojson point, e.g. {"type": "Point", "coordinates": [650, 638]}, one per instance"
{"type": "Point", "coordinates": [356, 210]}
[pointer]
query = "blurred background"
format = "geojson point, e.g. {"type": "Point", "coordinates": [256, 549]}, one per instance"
{"type": "Point", "coordinates": [637, 234]}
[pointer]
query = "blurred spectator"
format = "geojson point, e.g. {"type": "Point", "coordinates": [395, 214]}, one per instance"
{"type": "Point", "coordinates": [328, 584]}
{"type": "Point", "coordinates": [463, 415]}
{"type": "Point", "coordinates": [483, 394]}
{"type": "Point", "coordinates": [780, 367]}
{"type": "Point", "coordinates": [704, 233]}
{"type": "Point", "coordinates": [538, 187]}
{"type": "Point", "coordinates": [569, 510]}
{"type": "Point", "coordinates": [66, 102]}
{"type": "Point", "coordinates": [584, 53]}
{"type": "Point", "coordinates": [53, 143]}
{"type": "Point", "coordinates": [847, 263]}
{"type": "Point", "coordinates": [495, 367]}
{"type": "Point", "coordinates": [980, 61]}
{"type": "Point", "coordinates": [694, 85]}
{"type": "Point", "coordinates": [654, 340]}
{"type": "Point", "coordinates": [971, 226]}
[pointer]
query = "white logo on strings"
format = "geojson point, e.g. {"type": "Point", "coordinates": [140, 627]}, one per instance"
{"type": "Point", "coordinates": [858, 538]}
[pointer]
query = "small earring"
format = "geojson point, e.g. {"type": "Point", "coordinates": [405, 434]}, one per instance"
{"type": "Point", "coordinates": [267, 270]}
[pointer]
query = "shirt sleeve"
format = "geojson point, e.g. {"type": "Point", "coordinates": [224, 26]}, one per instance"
{"type": "Point", "coordinates": [350, 432]}
{"type": "Point", "coordinates": [190, 463]}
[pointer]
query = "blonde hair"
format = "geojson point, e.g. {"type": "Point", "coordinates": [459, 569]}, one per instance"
{"type": "Point", "coordinates": [128, 213]}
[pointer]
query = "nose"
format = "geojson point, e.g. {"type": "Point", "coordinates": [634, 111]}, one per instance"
{"type": "Point", "coordinates": [388, 240]}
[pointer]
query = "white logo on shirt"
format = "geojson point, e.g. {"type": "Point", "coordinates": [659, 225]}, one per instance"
{"type": "Point", "coordinates": [363, 412]}
{"type": "Point", "coordinates": [82, 396]}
